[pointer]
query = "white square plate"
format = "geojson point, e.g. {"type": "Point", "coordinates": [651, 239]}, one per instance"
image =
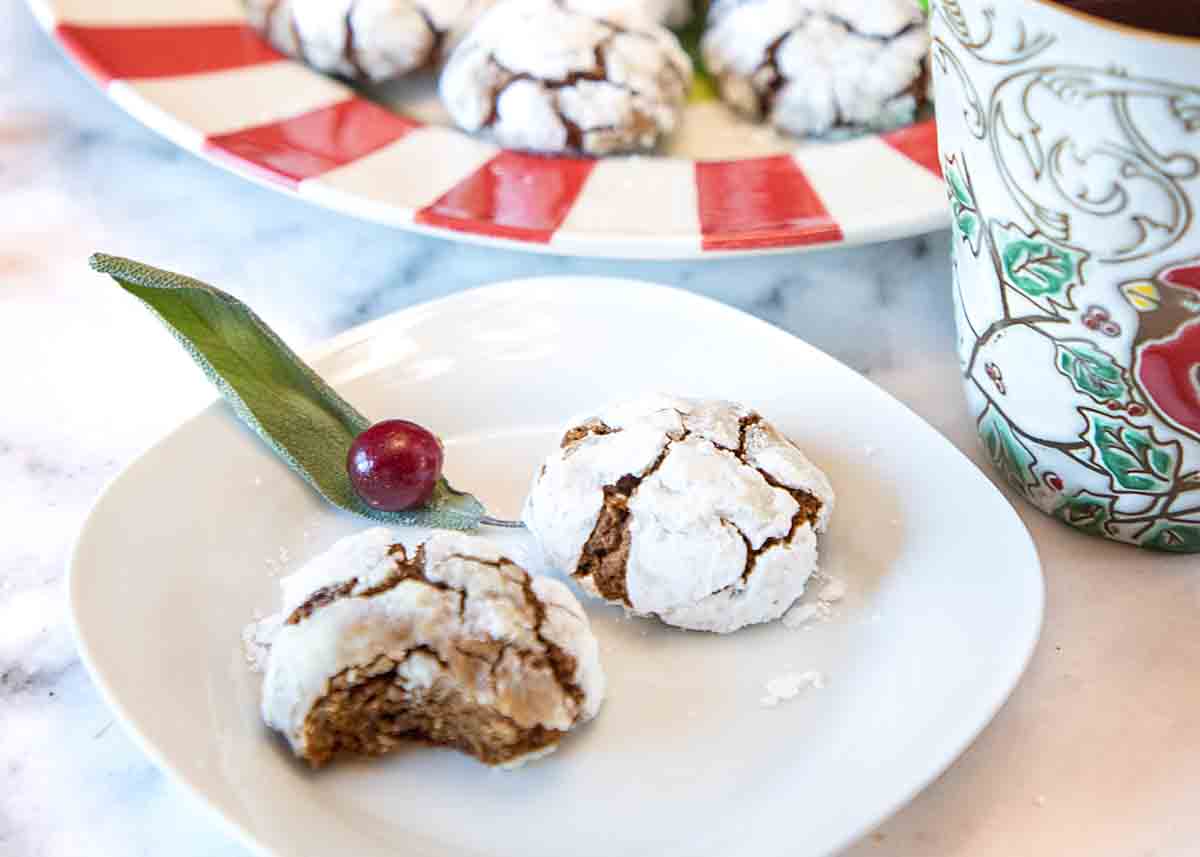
{"type": "Point", "coordinates": [943, 608]}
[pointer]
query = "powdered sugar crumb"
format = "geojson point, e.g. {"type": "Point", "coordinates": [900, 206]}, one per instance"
{"type": "Point", "coordinates": [803, 614]}
{"type": "Point", "coordinates": [833, 590]}
{"type": "Point", "coordinates": [788, 685]}
{"type": "Point", "coordinates": [257, 637]}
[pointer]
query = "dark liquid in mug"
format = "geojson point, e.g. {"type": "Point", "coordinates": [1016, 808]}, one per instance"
{"type": "Point", "coordinates": [1179, 17]}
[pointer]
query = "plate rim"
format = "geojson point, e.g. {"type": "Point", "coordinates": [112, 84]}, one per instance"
{"type": "Point", "coordinates": [757, 230]}
{"type": "Point", "coordinates": [607, 287]}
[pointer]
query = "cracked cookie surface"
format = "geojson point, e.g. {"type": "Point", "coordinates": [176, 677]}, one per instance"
{"type": "Point", "coordinates": [669, 13]}
{"type": "Point", "coordinates": [550, 76]}
{"type": "Point", "coordinates": [820, 66]}
{"type": "Point", "coordinates": [698, 512]}
{"type": "Point", "coordinates": [449, 643]}
{"type": "Point", "coordinates": [368, 40]}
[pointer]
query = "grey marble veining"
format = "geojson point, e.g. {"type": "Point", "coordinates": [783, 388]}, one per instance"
{"type": "Point", "coordinates": [88, 381]}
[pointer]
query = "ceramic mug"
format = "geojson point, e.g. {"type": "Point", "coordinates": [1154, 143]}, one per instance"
{"type": "Point", "coordinates": [1071, 152]}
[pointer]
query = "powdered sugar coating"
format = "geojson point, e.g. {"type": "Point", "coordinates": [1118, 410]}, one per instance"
{"type": "Point", "coordinates": [669, 13]}
{"type": "Point", "coordinates": [715, 540]}
{"type": "Point", "coordinates": [372, 40]}
{"type": "Point", "coordinates": [813, 66]}
{"type": "Point", "coordinates": [550, 76]}
{"type": "Point", "coordinates": [470, 592]}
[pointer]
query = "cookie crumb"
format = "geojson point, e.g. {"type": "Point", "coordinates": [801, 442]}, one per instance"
{"type": "Point", "coordinates": [788, 685]}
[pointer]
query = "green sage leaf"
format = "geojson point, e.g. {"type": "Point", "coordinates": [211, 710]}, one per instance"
{"type": "Point", "coordinates": [273, 391]}
{"type": "Point", "coordinates": [704, 87]}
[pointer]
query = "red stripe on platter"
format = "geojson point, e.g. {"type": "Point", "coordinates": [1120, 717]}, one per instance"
{"type": "Point", "coordinates": [304, 146]}
{"type": "Point", "coordinates": [115, 53]}
{"type": "Point", "coordinates": [918, 143]}
{"type": "Point", "coordinates": [760, 202]}
{"type": "Point", "coordinates": [514, 195]}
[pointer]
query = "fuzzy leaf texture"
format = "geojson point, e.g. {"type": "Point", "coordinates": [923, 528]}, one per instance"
{"type": "Point", "coordinates": [273, 392]}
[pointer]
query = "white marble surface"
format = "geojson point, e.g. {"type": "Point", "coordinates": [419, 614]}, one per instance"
{"type": "Point", "coordinates": [1098, 752]}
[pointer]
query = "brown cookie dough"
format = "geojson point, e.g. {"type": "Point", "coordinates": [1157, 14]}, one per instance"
{"type": "Point", "coordinates": [449, 643]}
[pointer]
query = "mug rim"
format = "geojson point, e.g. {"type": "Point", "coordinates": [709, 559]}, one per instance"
{"type": "Point", "coordinates": [1123, 29]}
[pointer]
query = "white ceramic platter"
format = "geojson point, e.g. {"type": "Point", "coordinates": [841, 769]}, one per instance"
{"type": "Point", "coordinates": [193, 71]}
{"type": "Point", "coordinates": [943, 607]}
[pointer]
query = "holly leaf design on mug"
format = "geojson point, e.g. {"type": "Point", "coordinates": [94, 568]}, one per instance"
{"type": "Point", "coordinates": [1090, 370]}
{"type": "Point", "coordinates": [1134, 458]}
{"type": "Point", "coordinates": [1173, 537]}
{"type": "Point", "coordinates": [963, 208]}
{"type": "Point", "coordinates": [1009, 455]}
{"type": "Point", "coordinates": [1043, 271]}
{"type": "Point", "coordinates": [1087, 512]}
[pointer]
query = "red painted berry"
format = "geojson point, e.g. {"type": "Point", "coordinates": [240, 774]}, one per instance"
{"type": "Point", "coordinates": [1136, 410]}
{"type": "Point", "coordinates": [1054, 481]}
{"type": "Point", "coordinates": [1110, 328]}
{"type": "Point", "coordinates": [394, 465]}
{"type": "Point", "coordinates": [1097, 312]}
{"type": "Point", "coordinates": [1091, 322]}
{"type": "Point", "coordinates": [1113, 405]}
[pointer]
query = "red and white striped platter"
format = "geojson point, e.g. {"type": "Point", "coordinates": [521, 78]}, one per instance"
{"type": "Point", "coordinates": [193, 71]}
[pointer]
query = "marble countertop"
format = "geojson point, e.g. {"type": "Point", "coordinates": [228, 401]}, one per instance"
{"type": "Point", "coordinates": [1097, 753]}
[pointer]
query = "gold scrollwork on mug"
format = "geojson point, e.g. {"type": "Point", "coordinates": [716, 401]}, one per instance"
{"type": "Point", "coordinates": [1021, 44]}
{"type": "Point", "coordinates": [974, 115]}
{"type": "Point", "coordinates": [1073, 188]}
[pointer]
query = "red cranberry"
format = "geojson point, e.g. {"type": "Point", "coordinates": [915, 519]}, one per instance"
{"type": "Point", "coordinates": [394, 465]}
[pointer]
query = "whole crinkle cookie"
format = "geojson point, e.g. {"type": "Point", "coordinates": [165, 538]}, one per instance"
{"type": "Point", "coordinates": [699, 512]}
{"type": "Point", "coordinates": [820, 66]}
{"type": "Point", "coordinates": [549, 76]}
{"type": "Point", "coordinates": [370, 40]}
{"type": "Point", "coordinates": [450, 643]}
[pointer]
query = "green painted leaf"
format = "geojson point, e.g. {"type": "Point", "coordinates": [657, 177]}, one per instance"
{"type": "Point", "coordinates": [1086, 512]}
{"type": "Point", "coordinates": [1006, 450]}
{"type": "Point", "coordinates": [1040, 269]}
{"type": "Point", "coordinates": [1090, 370]}
{"type": "Point", "coordinates": [963, 207]}
{"type": "Point", "coordinates": [273, 391]}
{"type": "Point", "coordinates": [1174, 538]}
{"type": "Point", "coordinates": [1135, 459]}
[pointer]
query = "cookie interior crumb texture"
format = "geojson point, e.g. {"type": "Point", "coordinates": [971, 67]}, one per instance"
{"type": "Point", "coordinates": [450, 644]}
{"type": "Point", "coordinates": [698, 512]}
